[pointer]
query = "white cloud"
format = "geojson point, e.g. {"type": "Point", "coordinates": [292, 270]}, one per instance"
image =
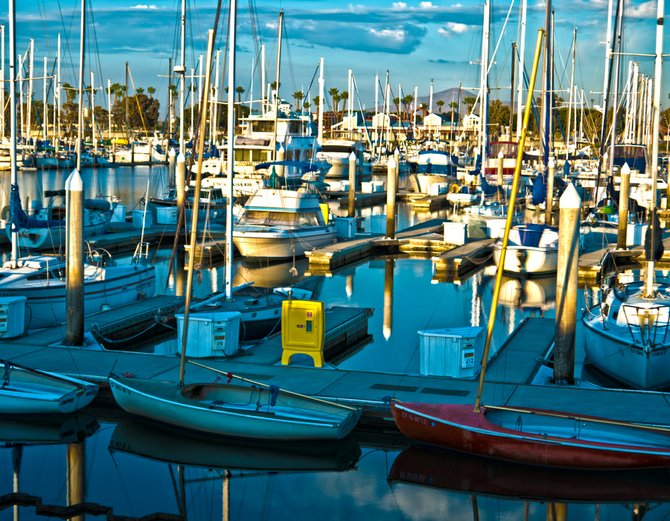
{"type": "Point", "coordinates": [397, 35]}
{"type": "Point", "coordinates": [426, 5]}
{"type": "Point", "coordinates": [398, 5]}
{"type": "Point", "coordinates": [451, 28]}
{"type": "Point", "coordinates": [644, 10]}
{"type": "Point", "coordinates": [144, 6]}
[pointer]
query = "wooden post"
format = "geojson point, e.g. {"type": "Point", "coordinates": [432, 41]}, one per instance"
{"type": "Point", "coordinates": [180, 183]}
{"type": "Point", "coordinates": [76, 479]}
{"type": "Point", "coordinates": [549, 205]}
{"type": "Point", "coordinates": [390, 198]}
{"type": "Point", "coordinates": [351, 207]}
{"type": "Point", "coordinates": [387, 327]}
{"type": "Point", "coordinates": [499, 175]}
{"type": "Point", "coordinates": [624, 189]}
{"type": "Point", "coordinates": [566, 286]}
{"type": "Point", "coordinates": [74, 245]}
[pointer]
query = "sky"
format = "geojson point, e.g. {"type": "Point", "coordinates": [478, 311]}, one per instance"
{"type": "Point", "coordinates": [411, 42]}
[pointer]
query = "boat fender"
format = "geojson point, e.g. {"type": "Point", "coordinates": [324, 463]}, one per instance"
{"type": "Point", "coordinates": [454, 188]}
{"type": "Point", "coordinates": [274, 393]}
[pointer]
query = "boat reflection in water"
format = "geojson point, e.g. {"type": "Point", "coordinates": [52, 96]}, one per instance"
{"type": "Point", "coordinates": [71, 428]}
{"type": "Point", "coordinates": [151, 441]}
{"type": "Point", "coordinates": [441, 469]}
{"type": "Point", "coordinates": [529, 294]}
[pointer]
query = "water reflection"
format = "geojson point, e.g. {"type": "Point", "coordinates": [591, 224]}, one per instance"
{"type": "Point", "coordinates": [453, 478]}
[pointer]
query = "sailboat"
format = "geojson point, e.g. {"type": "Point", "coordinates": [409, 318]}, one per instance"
{"type": "Point", "coordinates": [627, 334]}
{"type": "Point", "coordinates": [42, 279]}
{"type": "Point", "coordinates": [27, 391]}
{"type": "Point", "coordinates": [250, 410]}
{"type": "Point", "coordinates": [530, 435]}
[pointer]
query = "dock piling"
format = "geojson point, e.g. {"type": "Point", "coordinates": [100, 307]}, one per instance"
{"type": "Point", "coordinates": [566, 286]}
{"type": "Point", "coordinates": [390, 197]}
{"type": "Point", "coordinates": [624, 189]}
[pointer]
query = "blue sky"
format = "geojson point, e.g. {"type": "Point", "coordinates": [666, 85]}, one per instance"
{"type": "Point", "coordinates": [415, 41]}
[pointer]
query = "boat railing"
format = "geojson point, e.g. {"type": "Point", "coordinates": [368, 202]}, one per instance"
{"type": "Point", "coordinates": [648, 325]}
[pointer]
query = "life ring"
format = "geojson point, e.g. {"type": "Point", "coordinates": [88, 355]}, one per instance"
{"type": "Point", "coordinates": [454, 188]}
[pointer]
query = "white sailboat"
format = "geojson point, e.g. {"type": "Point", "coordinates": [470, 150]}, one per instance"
{"type": "Point", "coordinates": [255, 411]}
{"type": "Point", "coordinates": [42, 279]}
{"type": "Point", "coordinates": [627, 335]}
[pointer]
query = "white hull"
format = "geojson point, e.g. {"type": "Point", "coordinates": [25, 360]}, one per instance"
{"type": "Point", "coordinates": [281, 244]}
{"type": "Point", "coordinates": [45, 305]}
{"type": "Point", "coordinates": [612, 352]}
{"type": "Point", "coordinates": [525, 260]}
{"type": "Point", "coordinates": [28, 391]}
{"type": "Point", "coordinates": [231, 410]}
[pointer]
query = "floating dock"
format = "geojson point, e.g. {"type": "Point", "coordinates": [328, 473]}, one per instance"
{"type": "Point", "coordinates": [509, 377]}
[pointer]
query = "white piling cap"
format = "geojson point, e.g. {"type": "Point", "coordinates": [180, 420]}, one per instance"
{"type": "Point", "coordinates": [352, 156]}
{"type": "Point", "coordinates": [570, 198]}
{"type": "Point", "coordinates": [391, 162]}
{"type": "Point", "coordinates": [181, 158]}
{"type": "Point", "coordinates": [74, 182]}
{"type": "Point", "coordinates": [625, 169]}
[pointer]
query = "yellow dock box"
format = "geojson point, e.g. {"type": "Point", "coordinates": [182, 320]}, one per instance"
{"type": "Point", "coordinates": [325, 211]}
{"type": "Point", "coordinates": [303, 330]}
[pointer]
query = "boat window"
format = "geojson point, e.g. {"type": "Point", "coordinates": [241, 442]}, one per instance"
{"type": "Point", "coordinates": [266, 218]}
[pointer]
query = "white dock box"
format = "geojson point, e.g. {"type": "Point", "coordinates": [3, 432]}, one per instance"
{"type": "Point", "coordinates": [210, 333]}
{"type": "Point", "coordinates": [346, 227]}
{"type": "Point", "coordinates": [141, 217]}
{"type": "Point", "coordinates": [166, 214]}
{"type": "Point", "coordinates": [119, 214]}
{"type": "Point", "coordinates": [12, 316]}
{"type": "Point", "coordinates": [455, 233]}
{"type": "Point", "coordinates": [455, 352]}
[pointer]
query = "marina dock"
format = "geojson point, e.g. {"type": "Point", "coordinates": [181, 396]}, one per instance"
{"type": "Point", "coordinates": [509, 376]}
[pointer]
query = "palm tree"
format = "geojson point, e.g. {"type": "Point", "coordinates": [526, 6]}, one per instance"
{"type": "Point", "coordinates": [335, 95]}
{"type": "Point", "coordinates": [298, 96]}
{"type": "Point", "coordinates": [453, 106]}
{"type": "Point", "coordinates": [344, 96]}
{"type": "Point", "coordinates": [151, 91]}
{"type": "Point", "coordinates": [240, 90]}
{"type": "Point", "coordinates": [407, 102]}
{"type": "Point", "coordinates": [469, 102]}
{"type": "Point", "coordinates": [139, 90]}
{"type": "Point", "coordinates": [440, 104]}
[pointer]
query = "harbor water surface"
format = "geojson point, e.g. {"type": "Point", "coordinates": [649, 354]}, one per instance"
{"type": "Point", "coordinates": [130, 469]}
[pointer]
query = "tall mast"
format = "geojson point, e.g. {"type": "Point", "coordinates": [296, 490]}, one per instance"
{"type": "Point", "coordinates": [483, 84]}
{"type": "Point", "coordinates": [522, 50]}
{"type": "Point", "coordinates": [12, 122]}
{"type": "Point", "coordinates": [181, 70]}
{"type": "Point", "coordinates": [59, 92]}
{"type": "Point", "coordinates": [2, 80]}
{"type": "Point", "coordinates": [45, 117]}
{"type": "Point", "coordinates": [570, 97]}
{"type": "Point", "coordinates": [658, 71]}
{"type": "Point", "coordinates": [277, 78]}
{"type": "Point", "coordinates": [232, 20]}
{"type": "Point", "coordinates": [29, 97]}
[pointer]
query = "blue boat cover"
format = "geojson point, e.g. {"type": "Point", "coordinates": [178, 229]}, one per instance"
{"type": "Point", "coordinates": [19, 219]}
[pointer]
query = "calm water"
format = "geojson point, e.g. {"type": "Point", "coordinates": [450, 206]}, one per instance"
{"type": "Point", "coordinates": [138, 471]}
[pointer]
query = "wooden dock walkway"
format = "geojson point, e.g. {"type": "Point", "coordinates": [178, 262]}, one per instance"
{"type": "Point", "coordinates": [460, 262]}
{"type": "Point", "coordinates": [324, 260]}
{"type": "Point", "coordinates": [508, 377]}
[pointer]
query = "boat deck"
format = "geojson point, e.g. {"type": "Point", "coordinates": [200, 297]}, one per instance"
{"type": "Point", "coordinates": [508, 377]}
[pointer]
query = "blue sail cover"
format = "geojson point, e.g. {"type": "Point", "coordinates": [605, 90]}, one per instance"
{"type": "Point", "coordinates": [18, 218]}
{"type": "Point", "coordinates": [487, 189]}
{"type": "Point", "coordinates": [539, 190]}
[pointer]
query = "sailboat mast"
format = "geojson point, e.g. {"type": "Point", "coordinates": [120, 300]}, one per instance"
{"type": "Point", "coordinates": [204, 98]}
{"type": "Point", "coordinates": [182, 79]}
{"type": "Point", "coordinates": [277, 78]}
{"type": "Point", "coordinates": [484, 84]}
{"type": "Point", "coordinates": [230, 164]}
{"type": "Point", "coordinates": [12, 122]}
{"type": "Point", "coordinates": [510, 214]}
{"type": "Point", "coordinates": [658, 71]}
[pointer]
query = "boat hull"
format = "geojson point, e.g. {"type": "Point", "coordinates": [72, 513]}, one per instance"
{"type": "Point", "coordinates": [45, 304]}
{"type": "Point", "coordinates": [235, 411]}
{"type": "Point", "coordinates": [281, 244]}
{"type": "Point", "coordinates": [533, 436]}
{"type": "Point", "coordinates": [612, 351]}
{"type": "Point", "coordinates": [30, 392]}
{"type": "Point", "coordinates": [526, 260]}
